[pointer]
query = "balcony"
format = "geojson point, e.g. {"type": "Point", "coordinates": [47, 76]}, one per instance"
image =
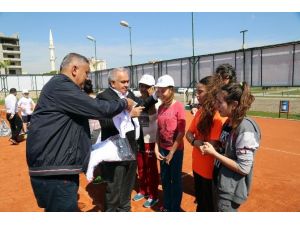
{"type": "Point", "coordinates": [11, 51]}
{"type": "Point", "coordinates": [12, 59]}
{"type": "Point", "coordinates": [14, 67]}
{"type": "Point", "coordinates": [10, 44]}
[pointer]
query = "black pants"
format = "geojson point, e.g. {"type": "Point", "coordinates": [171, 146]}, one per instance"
{"type": "Point", "coordinates": [15, 126]}
{"type": "Point", "coordinates": [120, 179]}
{"type": "Point", "coordinates": [204, 195]}
{"type": "Point", "coordinates": [56, 193]}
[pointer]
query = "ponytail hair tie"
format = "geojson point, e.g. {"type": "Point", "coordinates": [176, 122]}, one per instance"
{"type": "Point", "coordinates": [242, 85]}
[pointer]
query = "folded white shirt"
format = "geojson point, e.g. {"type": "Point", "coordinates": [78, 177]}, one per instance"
{"type": "Point", "coordinates": [123, 123]}
{"type": "Point", "coordinates": [107, 150]}
{"type": "Point", "coordinates": [103, 151]}
{"type": "Point", "coordinates": [137, 127]}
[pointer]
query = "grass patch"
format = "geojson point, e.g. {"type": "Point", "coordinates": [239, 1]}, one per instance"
{"type": "Point", "coordinates": [276, 90]}
{"type": "Point", "coordinates": [294, 92]}
{"type": "Point", "coordinates": [273, 115]}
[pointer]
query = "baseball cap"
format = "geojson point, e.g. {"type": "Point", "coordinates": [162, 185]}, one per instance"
{"type": "Point", "coordinates": [25, 91]}
{"type": "Point", "coordinates": [147, 79]}
{"type": "Point", "coordinates": [165, 81]}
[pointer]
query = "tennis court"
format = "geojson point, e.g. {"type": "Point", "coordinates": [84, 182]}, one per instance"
{"type": "Point", "coordinates": [275, 184]}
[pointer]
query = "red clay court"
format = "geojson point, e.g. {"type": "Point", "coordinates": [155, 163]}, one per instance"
{"type": "Point", "coordinates": [275, 187]}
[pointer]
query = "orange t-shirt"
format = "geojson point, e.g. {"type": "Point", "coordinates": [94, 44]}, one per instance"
{"type": "Point", "coordinates": [204, 164]}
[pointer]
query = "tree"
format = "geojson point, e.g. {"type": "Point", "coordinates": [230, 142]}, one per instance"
{"type": "Point", "coordinates": [53, 72]}
{"type": "Point", "coordinates": [4, 64]}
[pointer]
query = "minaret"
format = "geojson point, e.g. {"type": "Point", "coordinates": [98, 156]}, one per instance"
{"type": "Point", "coordinates": [52, 54]}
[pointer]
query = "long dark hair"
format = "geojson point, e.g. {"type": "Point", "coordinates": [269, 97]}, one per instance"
{"type": "Point", "coordinates": [212, 84]}
{"type": "Point", "coordinates": [240, 93]}
{"type": "Point", "coordinates": [226, 70]}
{"type": "Point", "coordinates": [88, 86]}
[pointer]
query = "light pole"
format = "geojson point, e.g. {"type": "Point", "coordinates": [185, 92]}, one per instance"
{"type": "Point", "coordinates": [93, 40]}
{"type": "Point", "coordinates": [243, 47]}
{"type": "Point", "coordinates": [125, 24]}
{"type": "Point", "coordinates": [194, 63]}
{"type": "Point", "coordinates": [243, 32]}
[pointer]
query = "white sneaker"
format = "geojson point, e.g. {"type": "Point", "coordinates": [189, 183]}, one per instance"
{"type": "Point", "coordinates": [150, 202]}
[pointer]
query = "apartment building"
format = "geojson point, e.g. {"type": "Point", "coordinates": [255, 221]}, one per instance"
{"type": "Point", "coordinates": [11, 53]}
{"type": "Point", "coordinates": [99, 64]}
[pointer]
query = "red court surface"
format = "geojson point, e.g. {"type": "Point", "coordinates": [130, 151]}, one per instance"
{"type": "Point", "coordinates": [275, 187]}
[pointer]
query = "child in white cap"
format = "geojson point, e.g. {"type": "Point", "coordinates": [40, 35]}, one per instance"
{"type": "Point", "coordinates": [171, 130]}
{"type": "Point", "coordinates": [147, 162]}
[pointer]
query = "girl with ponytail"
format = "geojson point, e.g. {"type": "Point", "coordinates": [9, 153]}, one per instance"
{"type": "Point", "coordinates": [205, 126]}
{"type": "Point", "coordinates": [240, 138]}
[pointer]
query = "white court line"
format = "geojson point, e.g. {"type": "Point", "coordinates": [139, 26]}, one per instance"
{"type": "Point", "coordinates": [266, 148]}
{"type": "Point", "coordinates": [277, 150]}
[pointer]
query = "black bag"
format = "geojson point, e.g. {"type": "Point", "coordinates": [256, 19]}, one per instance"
{"type": "Point", "coordinates": [124, 149]}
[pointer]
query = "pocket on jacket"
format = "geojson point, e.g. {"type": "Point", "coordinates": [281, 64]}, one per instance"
{"type": "Point", "coordinates": [232, 183]}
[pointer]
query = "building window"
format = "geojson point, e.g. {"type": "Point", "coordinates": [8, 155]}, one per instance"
{"type": "Point", "coordinates": [11, 71]}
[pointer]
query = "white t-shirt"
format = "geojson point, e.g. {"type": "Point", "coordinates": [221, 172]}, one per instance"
{"type": "Point", "coordinates": [151, 130]}
{"type": "Point", "coordinates": [11, 104]}
{"type": "Point", "coordinates": [26, 106]}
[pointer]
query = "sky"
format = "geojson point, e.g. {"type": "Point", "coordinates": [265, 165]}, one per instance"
{"type": "Point", "coordinates": [155, 35]}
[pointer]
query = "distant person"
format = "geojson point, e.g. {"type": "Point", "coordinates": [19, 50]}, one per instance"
{"type": "Point", "coordinates": [15, 122]}
{"type": "Point", "coordinates": [146, 159]}
{"type": "Point", "coordinates": [26, 104]}
{"type": "Point", "coordinates": [240, 138]}
{"type": "Point", "coordinates": [95, 128]}
{"type": "Point", "coordinates": [205, 126]}
{"type": "Point", "coordinates": [120, 176]}
{"type": "Point", "coordinates": [171, 130]}
{"type": "Point", "coordinates": [58, 143]}
{"type": "Point", "coordinates": [228, 75]}
{"type": "Point", "coordinates": [227, 72]}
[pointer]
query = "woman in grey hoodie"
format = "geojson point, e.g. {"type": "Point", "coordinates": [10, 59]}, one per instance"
{"type": "Point", "coordinates": [239, 141]}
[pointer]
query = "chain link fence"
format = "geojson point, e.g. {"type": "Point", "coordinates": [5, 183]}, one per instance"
{"type": "Point", "coordinates": [266, 66]}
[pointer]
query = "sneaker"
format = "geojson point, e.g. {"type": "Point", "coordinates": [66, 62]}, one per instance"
{"type": "Point", "coordinates": [150, 202]}
{"type": "Point", "coordinates": [138, 197]}
{"type": "Point", "coordinates": [162, 209]}
{"type": "Point", "coordinates": [98, 180]}
{"type": "Point", "coordinates": [14, 142]}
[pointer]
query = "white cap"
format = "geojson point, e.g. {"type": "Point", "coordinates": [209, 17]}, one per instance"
{"type": "Point", "coordinates": [25, 91]}
{"type": "Point", "coordinates": [165, 81]}
{"type": "Point", "coordinates": [147, 79]}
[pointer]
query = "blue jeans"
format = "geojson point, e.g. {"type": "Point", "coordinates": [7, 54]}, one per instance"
{"type": "Point", "coordinates": [171, 180]}
{"type": "Point", "coordinates": [56, 193]}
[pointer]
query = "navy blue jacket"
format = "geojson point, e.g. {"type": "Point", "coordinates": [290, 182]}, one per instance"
{"type": "Point", "coordinates": [58, 141]}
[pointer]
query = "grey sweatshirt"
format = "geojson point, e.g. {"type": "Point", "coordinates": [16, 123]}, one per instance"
{"type": "Point", "coordinates": [240, 146]}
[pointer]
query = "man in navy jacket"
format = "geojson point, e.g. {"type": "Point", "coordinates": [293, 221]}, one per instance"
{"type": "Point", "coordinates": [58, 143]}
